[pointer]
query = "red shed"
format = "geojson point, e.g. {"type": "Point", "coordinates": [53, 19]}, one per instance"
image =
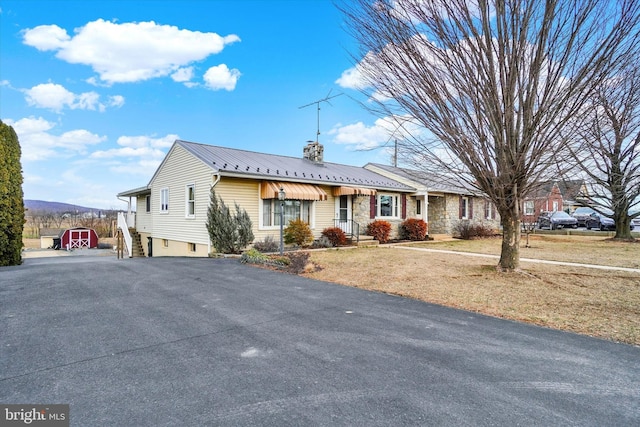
{"type": "Point", "coordinates": [79, 237]}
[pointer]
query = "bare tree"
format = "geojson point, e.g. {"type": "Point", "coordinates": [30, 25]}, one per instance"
{"type": "Point", "coordinates": [493, 81]}
{"type": "Point", "coordinates": [608, 148]}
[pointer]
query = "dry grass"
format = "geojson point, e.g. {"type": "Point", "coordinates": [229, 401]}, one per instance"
{"type": "Point", "coordinates": [579, 249]}
{"type": "Point", "coordinates": [600, 303]}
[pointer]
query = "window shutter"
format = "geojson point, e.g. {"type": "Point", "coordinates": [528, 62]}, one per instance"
{"type": "Point", "coordinates": [470, 203]}
{"type": "Point", "coordinates": [404, 206]}
{"type": "Point", "coordinates": [460, 207]}
{"type": "Point", "coordinates": [372, 207]}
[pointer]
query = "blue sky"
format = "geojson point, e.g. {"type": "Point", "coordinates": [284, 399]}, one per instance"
{"type": "Point", "coordinates": [98, 90]}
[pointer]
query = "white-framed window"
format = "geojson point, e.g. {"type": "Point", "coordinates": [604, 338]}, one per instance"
{"type": "Point", "coordinates": [293, 209]}
{"type": "Point", "coordinates": [164, 200]}
{"type": "Point", "coordinates": [147, 201]}
{"type": "Point", "coordinates": [388, 206]}
{"type": "Point", "coordinates": [529, 208]}
{"type": "Point", "coordinates": [464, 207]}
{"type": "Point", "coordinates": [489, 211]}
{"type": "Point", "coordinates": [190, 195]}
{"type": "Point", "coordinates": [555, 206]}
{"type": "Point", "coordinates": [165, 243]}
{"type": "Point", "coordinates": [192, 247]}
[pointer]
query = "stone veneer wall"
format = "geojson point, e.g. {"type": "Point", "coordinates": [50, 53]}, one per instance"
{"type": "Point", "coordinates": [362, 209]}
{"type": "Point", "coordinates": [444, 212]}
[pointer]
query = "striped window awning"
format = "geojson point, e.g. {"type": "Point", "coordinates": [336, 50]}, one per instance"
{"type": "Point", "coordinates": [294, 191]}
{"type": "Point", "coordinates": [349, 191]}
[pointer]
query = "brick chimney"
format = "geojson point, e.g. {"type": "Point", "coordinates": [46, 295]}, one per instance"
{"type": "Point", "coordinates": [313, 151]}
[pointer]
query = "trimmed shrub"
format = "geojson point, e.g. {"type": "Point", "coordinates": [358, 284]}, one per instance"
{"type": "Point", "coordinates": [299, 261]}
{"type": "Point", "coordinates": [298, 232]}
{"type": "Point", "coordinates": [335, 235]}
{"type": "Point", "coordinates": [413, 229]}
{"type": "Point", "coordinates": [380, 230]}
{"type": "Point", "coordinates": [467, 230]}
{"type": "Point", "coordinates": [268, 245]}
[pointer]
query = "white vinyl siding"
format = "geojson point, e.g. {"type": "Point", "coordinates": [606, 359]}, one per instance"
{"type": "Point", "coordinates": [144, 219]}
{"type": "Point", "coordinates": [180, 169]}
{"type": "Point", "coordinates": [325, 213]}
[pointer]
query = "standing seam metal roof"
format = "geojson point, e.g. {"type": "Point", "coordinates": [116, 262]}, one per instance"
{"type": "Point", "coordinates": [235, 162]}
{"type": "Point", "coordinates": [433, 182]}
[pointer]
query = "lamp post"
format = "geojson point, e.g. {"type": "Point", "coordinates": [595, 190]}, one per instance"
{"type": "Point", "coordinates": [281, 197]}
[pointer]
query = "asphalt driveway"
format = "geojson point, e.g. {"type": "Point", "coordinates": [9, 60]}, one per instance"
{"type": "Point", "coordinates": [174, 341]}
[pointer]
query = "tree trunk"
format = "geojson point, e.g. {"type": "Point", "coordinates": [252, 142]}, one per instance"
{"type": "Point", "coordinates": [623, 227]}
{"type": "Point", "coordinates": [510, 253]}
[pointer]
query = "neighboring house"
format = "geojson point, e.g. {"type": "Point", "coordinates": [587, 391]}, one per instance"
{"type": "Point", "coordinates": [546, 197]}
{"type": "Point", "coordinates": [573, 193]}
{"type": "Point", "coordinates": [171, 211]}
{"type": "Point", "coordinates": [440, 202]}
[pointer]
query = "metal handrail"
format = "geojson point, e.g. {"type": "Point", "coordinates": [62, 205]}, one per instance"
{"type": "Point", "coordinates": [122, 225]}
{"type": "Point", "coordinates": [349, 227]}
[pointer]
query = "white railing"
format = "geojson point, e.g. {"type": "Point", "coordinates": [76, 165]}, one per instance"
{"type": "Point", "coordinates": [124, 226]}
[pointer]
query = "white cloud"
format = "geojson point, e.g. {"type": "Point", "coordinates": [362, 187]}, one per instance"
{"type": "Point", "coordinates": [137, 146]}
{"type": "Point", "coordinates": [46, 37]}
{"type": "Point", "coordinates": [128, 52]}
{"type": "Point", "coordinates": [115, 101]}
{"type": "Point", "coordinates": [137, 155]}
{"type": "Point", "coordinates": [220, 77]}
{"type": "Point", "coordinates": [48, 95]}
{"type": "Point", "coordinates": [183, 75]}
{"type": "Point", "coordinates": [147, 141]}
{"type": "Point", "coordinates": [363, 137]}
{"type": "Point", "coordinates": [352, 79]}
{"type": "Point", "coordinates": [38, 143]}
{"type": "Point", "coordinates": [360, 136]}
{"type": "Point", "coordinates": [56, 97]}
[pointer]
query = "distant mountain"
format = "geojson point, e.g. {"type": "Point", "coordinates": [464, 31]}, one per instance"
{"type": "Point", "coordinates": [57, 207]}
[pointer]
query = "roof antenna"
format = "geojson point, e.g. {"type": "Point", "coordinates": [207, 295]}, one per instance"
{"type": "Point", "coordinates": [317, 103]}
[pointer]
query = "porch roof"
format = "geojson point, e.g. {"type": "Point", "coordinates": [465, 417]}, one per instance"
{"type": "Point", "coordinates": [135, 192]}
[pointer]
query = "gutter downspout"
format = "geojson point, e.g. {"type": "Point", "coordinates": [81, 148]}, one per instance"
{"type": "Point", "coordinates": [128, 204]}
{"type": "Point", "coordinates": [215, 179]}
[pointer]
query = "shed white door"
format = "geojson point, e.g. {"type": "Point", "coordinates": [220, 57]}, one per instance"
{"type": "Point", "coordinates": [79, 238]}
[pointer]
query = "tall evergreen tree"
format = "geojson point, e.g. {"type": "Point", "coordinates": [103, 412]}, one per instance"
{"type": "Point", "coordinates": [11, 197]}
{"type": "Point", "coordinates": [228, 233]}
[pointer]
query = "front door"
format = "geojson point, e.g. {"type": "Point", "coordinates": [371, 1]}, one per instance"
{"type": "Point", "coordinates": [344, 213]}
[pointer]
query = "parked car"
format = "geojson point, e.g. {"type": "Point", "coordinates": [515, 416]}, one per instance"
{"type": "Point", "coordinates": [582, 214]}
{"type": "Point", "coordinates": [600, 221]}
{"type": "Point", "coordinates": [556, 220]}
{"type": "Point", "coordinates": [635, 222]}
